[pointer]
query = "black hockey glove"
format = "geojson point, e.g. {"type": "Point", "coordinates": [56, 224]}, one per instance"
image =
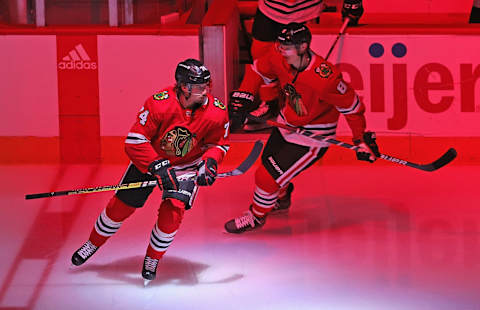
{"type": "Point", "coordinates": [368, 150]}
{"type": "Point", "coordinates": [167, 179]}
{"type": "Point", "coordinates": [240, 104]}
{"type": "Point", "coordinates": [352, 9]}
{"type": "Point", "coordinates": [207, 173]}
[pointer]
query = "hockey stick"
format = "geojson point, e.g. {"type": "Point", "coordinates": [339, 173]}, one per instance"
{"type": "Point", "coordinates": [340, 33]}
{"type": "Point", "coordinates": [241, 169]}
{"type": "Point", "coordinates": [447, 157]}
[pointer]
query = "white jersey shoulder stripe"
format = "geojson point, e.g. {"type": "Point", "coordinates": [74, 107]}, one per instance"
{"type": "Point", "coordinates": [136, 138]}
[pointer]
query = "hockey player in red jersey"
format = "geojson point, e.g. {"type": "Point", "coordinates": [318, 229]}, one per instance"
{"type": "Point", "coordinates": [314, 95]}
{"type": "Point", "coordinates": [181, 130]}
{"type": "Point", "coordinates": [271, 16]}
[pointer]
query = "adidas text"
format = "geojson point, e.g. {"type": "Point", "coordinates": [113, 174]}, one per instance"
{"type": "Point", "coordinates": [77, 65]}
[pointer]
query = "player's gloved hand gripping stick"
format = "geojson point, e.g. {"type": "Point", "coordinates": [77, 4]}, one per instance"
{"type": "Point", "coordinates": [241, 169]}
{"type": "Point", "coordinates": [440, 162]}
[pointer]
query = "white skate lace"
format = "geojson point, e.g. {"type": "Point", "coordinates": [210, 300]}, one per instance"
{"type": "Point", "coordinates": [150, 264]}
{"type": "Point", "coordinates": [261, 110]}
{"type": "Point", "coordinates": [246, 219]}
{"type": "Point", "coordinates": [87, 249]}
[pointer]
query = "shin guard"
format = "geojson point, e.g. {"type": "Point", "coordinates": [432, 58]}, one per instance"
{"type": "Point", "coordinates": [110, 221]}
{"type": "Point", "coordinates": [266, 192]}
{"type": "Point", "coordinates": [170, 215]}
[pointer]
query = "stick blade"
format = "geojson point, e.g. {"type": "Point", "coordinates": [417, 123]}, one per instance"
{"type": "Point", "coordinates": [250, 160]}
{"type": "Point", "coordinates": [446, 158]}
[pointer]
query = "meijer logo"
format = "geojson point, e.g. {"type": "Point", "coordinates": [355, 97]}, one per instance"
{"type": "Point", "coordinates": [430, 79]}
{"type": "Point", "coordinates": [77, 59]}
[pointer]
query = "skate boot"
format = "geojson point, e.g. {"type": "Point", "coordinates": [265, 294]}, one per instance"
{"type": "Point", "coordinates": [283, 205]}
{"type": "Point", "coordinates": [81, 255]}
{"type": "Point", "coordinates": [149, 270]}
{"type": "Point", "coordinates": [248, 221]}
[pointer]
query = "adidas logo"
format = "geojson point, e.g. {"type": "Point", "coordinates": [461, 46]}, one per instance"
{"type": "Point", "coordinates": [77, 59]}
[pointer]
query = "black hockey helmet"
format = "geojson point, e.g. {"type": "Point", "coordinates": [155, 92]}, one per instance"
{"type": "Point", "coordinates": [294, 34]}
{"type": "Point", "coordinates": [192, 71]}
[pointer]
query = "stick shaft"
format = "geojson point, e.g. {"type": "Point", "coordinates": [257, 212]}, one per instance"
{"type": "Point", "coordinates": [340, 33]}
{"type": "Point", "coordinates": [106, 188]}
{"type": "Point", "coordinates": [242, 168]}
{"type": "Point", "coordinates": [446, 158]}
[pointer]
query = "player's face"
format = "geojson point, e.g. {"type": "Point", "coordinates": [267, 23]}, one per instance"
{"type": "Point", "coordinates": [200, 89]}
{"type": "Point", "coordinates": [287, 50]}
{"type": "Point", "coordinates": [198, 93]}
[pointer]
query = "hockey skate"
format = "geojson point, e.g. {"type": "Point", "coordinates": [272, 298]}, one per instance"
{"type": "Point", "coordinates": [283, 205]}
{"type": "Point", "coordinates": [248, 221]}
{"type": "Point", "coordinates": [83, 253]}
{"type": "Point", "coordinates": [149, 270]}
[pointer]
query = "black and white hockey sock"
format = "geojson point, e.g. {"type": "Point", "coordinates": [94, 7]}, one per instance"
{"type": "Point", "coordinates": [105, 226]}
{"type": "Point", "coordinates": [159, 242]}
{"type": "Point", "coordinates": [263, 201]}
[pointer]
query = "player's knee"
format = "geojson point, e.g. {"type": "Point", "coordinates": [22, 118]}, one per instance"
{"type": "Point", "coordinates": [265, 181]}
{"type": "Point", "coordinates": [170, 215]}
{"type": "Point", "coordinates": [117, 210]}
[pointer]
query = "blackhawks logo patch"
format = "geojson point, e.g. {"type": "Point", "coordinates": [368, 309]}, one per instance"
{"type": "Point", "coordinates": [161, 96]}
{"type": "Point", "coordinates": [323, 70]}
{"type": "Point", "coordinates": [219, 104]}
{"type": "Point", "coordinates": [178, 142]}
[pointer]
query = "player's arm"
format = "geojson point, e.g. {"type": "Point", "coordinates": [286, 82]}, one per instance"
{"type": "Point", "coordinates": [242, 100]}
{"type": "Point", "coordinates": [257, 74]}
{"type": "Point", "coordinates": [138, 145]}
{"type": "Point", "coordinates": [217, 145]}
{"type": "Point", "coordinates": [140, 150]}
{"type": "Point", "coordinates": [348, 103]}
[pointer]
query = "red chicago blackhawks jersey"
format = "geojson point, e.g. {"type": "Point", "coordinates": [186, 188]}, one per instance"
{"type": "Point", "coordinates": [314, 98]}
{"type": "Point", "coordinates": [164, 129]}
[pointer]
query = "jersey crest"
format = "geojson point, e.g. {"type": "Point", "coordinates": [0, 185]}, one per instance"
{"type": "Point", "coordinates": [178, 142]}
{"type": "Point", "coordinates": [161, 96]}
{"type": "Point", "coordinates": [219, 104]}
{"type": "Point", "coordinates": [323, 70]}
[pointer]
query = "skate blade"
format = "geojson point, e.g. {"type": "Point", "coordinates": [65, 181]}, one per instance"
{"type": "Point", "coordinates": [145, 282]}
